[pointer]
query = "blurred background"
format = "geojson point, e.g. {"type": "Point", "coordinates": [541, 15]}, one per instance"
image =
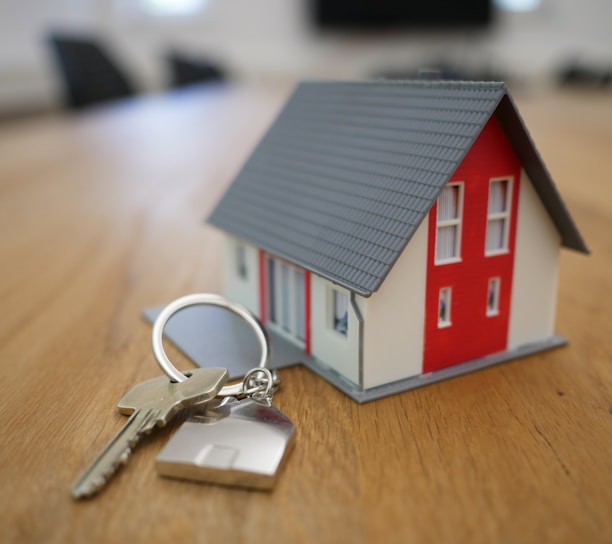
{"type": "Point", "coordinates": [153, 45]}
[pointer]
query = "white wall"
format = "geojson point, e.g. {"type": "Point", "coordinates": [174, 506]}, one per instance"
{"type": "Point", "coordinates": [395, 318]}
{"type": "Point", "coordinates": [243, 290]}
{"type": "Point", "coordinates": [536, 270]}
{"type": "Point", "coordinates": [337, 351]}
{"type": "Point", "coordinates": [272, 38]}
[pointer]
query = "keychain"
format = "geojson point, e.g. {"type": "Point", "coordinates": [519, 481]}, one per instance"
{"type": "Point", "coordinates": [240, 439]}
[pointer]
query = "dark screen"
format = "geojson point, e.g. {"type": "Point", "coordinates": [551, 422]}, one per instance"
{"type": "Point", "coordinates": [399, 13]}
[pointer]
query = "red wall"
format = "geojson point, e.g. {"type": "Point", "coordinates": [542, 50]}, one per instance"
{"type": "Point", "coordinates": [472, 333]}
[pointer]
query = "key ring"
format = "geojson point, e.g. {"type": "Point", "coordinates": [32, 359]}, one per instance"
{"type": "Point", "coordinates": [213, 300]}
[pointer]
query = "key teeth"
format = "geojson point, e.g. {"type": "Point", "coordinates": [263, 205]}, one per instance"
{"type": "Point", "coordinates": [96, 484]}
{"type": "Point", "coordinates": [92, 488]}
{"type": "Point", "coordinates": [123, 459]}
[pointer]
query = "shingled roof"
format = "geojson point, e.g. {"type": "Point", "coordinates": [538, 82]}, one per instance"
{"type": "Point", "coordinates": [348, 171]}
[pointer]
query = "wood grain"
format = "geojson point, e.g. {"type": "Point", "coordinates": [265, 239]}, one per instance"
{"type": "Point", "coordinates": [101, 215]}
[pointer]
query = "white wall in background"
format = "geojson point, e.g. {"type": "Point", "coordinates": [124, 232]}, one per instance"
{"type": "Point", "coordinates": [272, 39]}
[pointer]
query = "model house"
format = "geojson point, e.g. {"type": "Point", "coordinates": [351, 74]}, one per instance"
{"type": "Point", "coordinates": [398, 233]}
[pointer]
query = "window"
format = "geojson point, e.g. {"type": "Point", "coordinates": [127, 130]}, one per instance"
{"type": "Point", "coordinates": [172, 7]}
{"type": "Point", "coordinates": [272, 290]}
{"type": "Point", "coordinates": [286, 298]}
{"type": "Point", "coordinates": [241, 261]}
{"type": "Point", "coordinates": [299, 310]}
{"type": "Point", "coordinates": [448, 223]}
{"type": "Point", "coordinates": [517, 5]}
{"type": "Point", "coordinates": [339, 311]}
{"type": "Point", "coordinates": [493, 297]}
{"type": "Point", "coordinates": [159, 10]}
{"type": "Point", "coordinates": [444, 307]}
{"type": "Point", "coordinates": [498, 216]}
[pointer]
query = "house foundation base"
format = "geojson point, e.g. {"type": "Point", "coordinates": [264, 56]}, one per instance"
{"type": "Point", "coordinates": [373, 393]}
{"type": "Point", "coordinates": [211, 336]}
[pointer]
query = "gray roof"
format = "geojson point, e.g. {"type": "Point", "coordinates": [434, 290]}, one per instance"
{"type": "Point", "coordinates": [348, 171]}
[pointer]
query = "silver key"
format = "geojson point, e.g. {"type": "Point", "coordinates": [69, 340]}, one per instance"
{"type": "Point", "coordinates": [151, 403]}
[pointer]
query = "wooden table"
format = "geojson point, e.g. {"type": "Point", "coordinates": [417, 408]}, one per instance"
{"type": "Point", "coordinates": [101, 215]}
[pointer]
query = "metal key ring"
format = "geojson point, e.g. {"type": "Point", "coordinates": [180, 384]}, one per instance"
{"type": "Point", "coordinates": [213, 300]}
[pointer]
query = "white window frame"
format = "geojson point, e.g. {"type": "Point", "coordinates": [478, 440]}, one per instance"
{"type": "Point", "coordinates": [333, 296]}
{"type": "Point", "coordinates": [455, 222]}
{"type": "Point", "coordinates": [493, 309]}
{"type": "Point", "coordinates": [503, 216]}
{"type": "Point", "coordinates": [445, 293]}
{"type": "Point", "coordinates": [286, 299]}
{"type": "Point", "coordinates": [241, 265]}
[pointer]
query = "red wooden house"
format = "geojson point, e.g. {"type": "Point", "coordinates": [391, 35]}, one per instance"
{"type": "Point", "coordinates": [397, 233]}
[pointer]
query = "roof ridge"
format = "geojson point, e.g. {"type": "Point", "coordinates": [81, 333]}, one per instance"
{"type": "Point", "coordinates": [440, 83]}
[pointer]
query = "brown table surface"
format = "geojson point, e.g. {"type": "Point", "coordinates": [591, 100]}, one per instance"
{"type": "Point", "coordinates": [101, 215]}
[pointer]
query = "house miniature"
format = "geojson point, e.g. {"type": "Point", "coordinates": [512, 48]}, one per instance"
{"type": "Point", "coordinates": [398, 233]}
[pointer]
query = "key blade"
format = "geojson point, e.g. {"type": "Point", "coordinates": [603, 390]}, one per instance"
{"type": "Point", "coordinates": [202, 386]}
{"type": "Point", "coordinates": [151, 403]}
{"type": "Point", "coordinates": [115, 454]}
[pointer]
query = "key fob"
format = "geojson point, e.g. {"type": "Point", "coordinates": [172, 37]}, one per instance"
{"type": "Point", "coordinates": [239, 442]}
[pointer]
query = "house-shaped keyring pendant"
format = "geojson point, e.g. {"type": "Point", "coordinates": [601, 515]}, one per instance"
{"type": "Point", "coordinates": [239, 442]}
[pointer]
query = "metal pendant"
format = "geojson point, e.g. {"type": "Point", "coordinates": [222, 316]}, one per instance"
{"type": "Point", "coordinates": [239, 442]}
